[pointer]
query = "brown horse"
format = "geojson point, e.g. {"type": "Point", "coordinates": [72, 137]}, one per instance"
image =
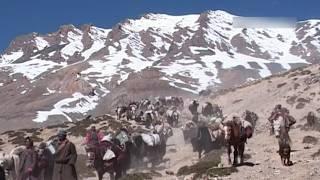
{"type": "Point", "coordinates": [232, 131]}
{"type": "Point", "coordinates": [116, 166]}
{"type": "Point", "coordinates": [284, 141]}
{"type": "Point", "coordinates": [284, 147]}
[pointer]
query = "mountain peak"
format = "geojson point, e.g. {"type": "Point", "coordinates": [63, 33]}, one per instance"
{"type": "Point", "coordinates": [178, 54]}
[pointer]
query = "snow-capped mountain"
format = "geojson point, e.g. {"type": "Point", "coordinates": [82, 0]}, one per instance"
{"type": "Point", "coordinates": [77, 71]}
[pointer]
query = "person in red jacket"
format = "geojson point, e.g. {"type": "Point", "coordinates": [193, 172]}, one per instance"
{"type": "Point", "coordinates": [93, 137]}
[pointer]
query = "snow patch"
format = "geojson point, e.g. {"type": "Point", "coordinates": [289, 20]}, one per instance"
{"type": "Point", "coordinates": [162, 23]}
{"type": "Point", "coordinates": [49, 92]}
{"type": "Point", "coordinates": [41, 43]}
{"type": "Point", "coordinates": [98, 36]}
{"type": "Point", "coordinates": [197, 73]}
{"type": "Point", "coordinates": [51, 53]}
{"type": "Point", "coordinates": [13, 56]}
{"type": "Point", "coordinates": [112, 50]}
{"type": "Point", "coordinates": [31, 69]}
{"type": "Point", "coordinates": [24, 91]}
{"type": "Point", "coordinates": [74, 45]}
{"type": "Point", "coordinates": [195, 50]}
{"type": "Point", "coordinates": [63, 107]}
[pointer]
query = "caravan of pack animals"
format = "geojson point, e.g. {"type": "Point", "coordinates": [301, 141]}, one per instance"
{"type": "Point", "coordinates": [116, 153]}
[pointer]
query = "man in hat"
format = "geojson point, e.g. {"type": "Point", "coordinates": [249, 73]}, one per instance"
{"type": "Point", "coordinates": [28, 162]}
{"type": "Point", "coordinates": [45, 162]}
{"type": "Point", "coordinates": [65, 159]}
{"type": "Point", "coordinates": [107, 146]}
{"type": "Point", "coordinates": [193, 108]}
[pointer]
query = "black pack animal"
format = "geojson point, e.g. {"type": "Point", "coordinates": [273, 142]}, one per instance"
{"type": "Point", "coordinates": [284, 147]}
{"type": "Point", "coordinates": [203, 141]}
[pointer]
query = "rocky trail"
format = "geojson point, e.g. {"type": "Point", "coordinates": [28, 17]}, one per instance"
{"type": "Point", "coordinates": [261, 158]}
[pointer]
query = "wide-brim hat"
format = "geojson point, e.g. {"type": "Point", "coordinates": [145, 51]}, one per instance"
{"type": "Point", "coordinates": [62, 132]}
{"type": "Point", "coordinates": [42, 145]}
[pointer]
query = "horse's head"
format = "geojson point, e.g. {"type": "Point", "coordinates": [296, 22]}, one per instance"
{"type": "Point", "coordinates": [6, 162]}
{"type": "Point", "coordinates": [175, 115]}
{"type": "Point", "coordinates": [227, 131]}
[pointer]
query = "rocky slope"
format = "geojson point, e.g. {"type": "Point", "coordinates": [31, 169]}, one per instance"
{"type": "Point", "coordinates": [76, 71]}
{"type": "Point", "coordinates": [298, 90]}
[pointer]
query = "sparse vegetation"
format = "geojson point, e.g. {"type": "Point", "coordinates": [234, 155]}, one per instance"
{"type": "Point", "coordinates": [303, 100]}
{"type": "Point", "coordinates": [17, 138]}
{"type": "Point", "coordinates": [64, 125]}
{"type": "Point", "coordinates": [310, 140]}
{"type": "Point", "coordinates": [280, 85]}
{"type": "Point", "coordinates": [237, 101]}
{"type": "Point", "coordinates": [32, 130]}
{"type": "Point", "coordinates": [291, 100]}
{"type": "Point", "coordinates": [305, 72]}
{"type": "Point", "coordinates": [300, 105]}
{"type": "Point", "coordinates": [313, 94]}
{"type": "Point", "coordinates": [207, 166]}
{"type": "Point", "coordinates": [296, 85]}
{"type": "Point", "coordinates": [316, 154]}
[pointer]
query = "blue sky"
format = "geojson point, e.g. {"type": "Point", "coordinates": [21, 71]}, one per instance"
{"type": "Point", "coordinates": [20, 17]}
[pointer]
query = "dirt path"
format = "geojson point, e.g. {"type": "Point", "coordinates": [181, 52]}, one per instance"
{"type": "Point", "coordinates": [262, 159]}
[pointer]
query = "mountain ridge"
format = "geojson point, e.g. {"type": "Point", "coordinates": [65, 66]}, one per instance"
{"type": "Point", "coordinates": [154, 55]}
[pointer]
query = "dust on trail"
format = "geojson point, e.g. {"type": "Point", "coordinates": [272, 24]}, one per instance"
{"type": "Point", "coordinates": [264, 161]}
{"type": "Point", "coordinates": [261, 158]}
{"type": "Point", "coordinates": [178, 154]}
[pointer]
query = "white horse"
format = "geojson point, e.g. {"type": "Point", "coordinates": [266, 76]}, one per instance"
{"type": "Point", "coordinates": [10, 162]}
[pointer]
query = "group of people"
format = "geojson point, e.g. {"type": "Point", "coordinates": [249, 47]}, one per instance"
{"type": "Point", "coordinates": [208, 110]}
{"type": "Point", "coordinates": [113, 152]}
{"type": "Point", "coordinates": [45, 163]}
{"type": "Point", "coordinates": [40, 163]}
{"type": "Point", "coordinates": [242, 127]}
